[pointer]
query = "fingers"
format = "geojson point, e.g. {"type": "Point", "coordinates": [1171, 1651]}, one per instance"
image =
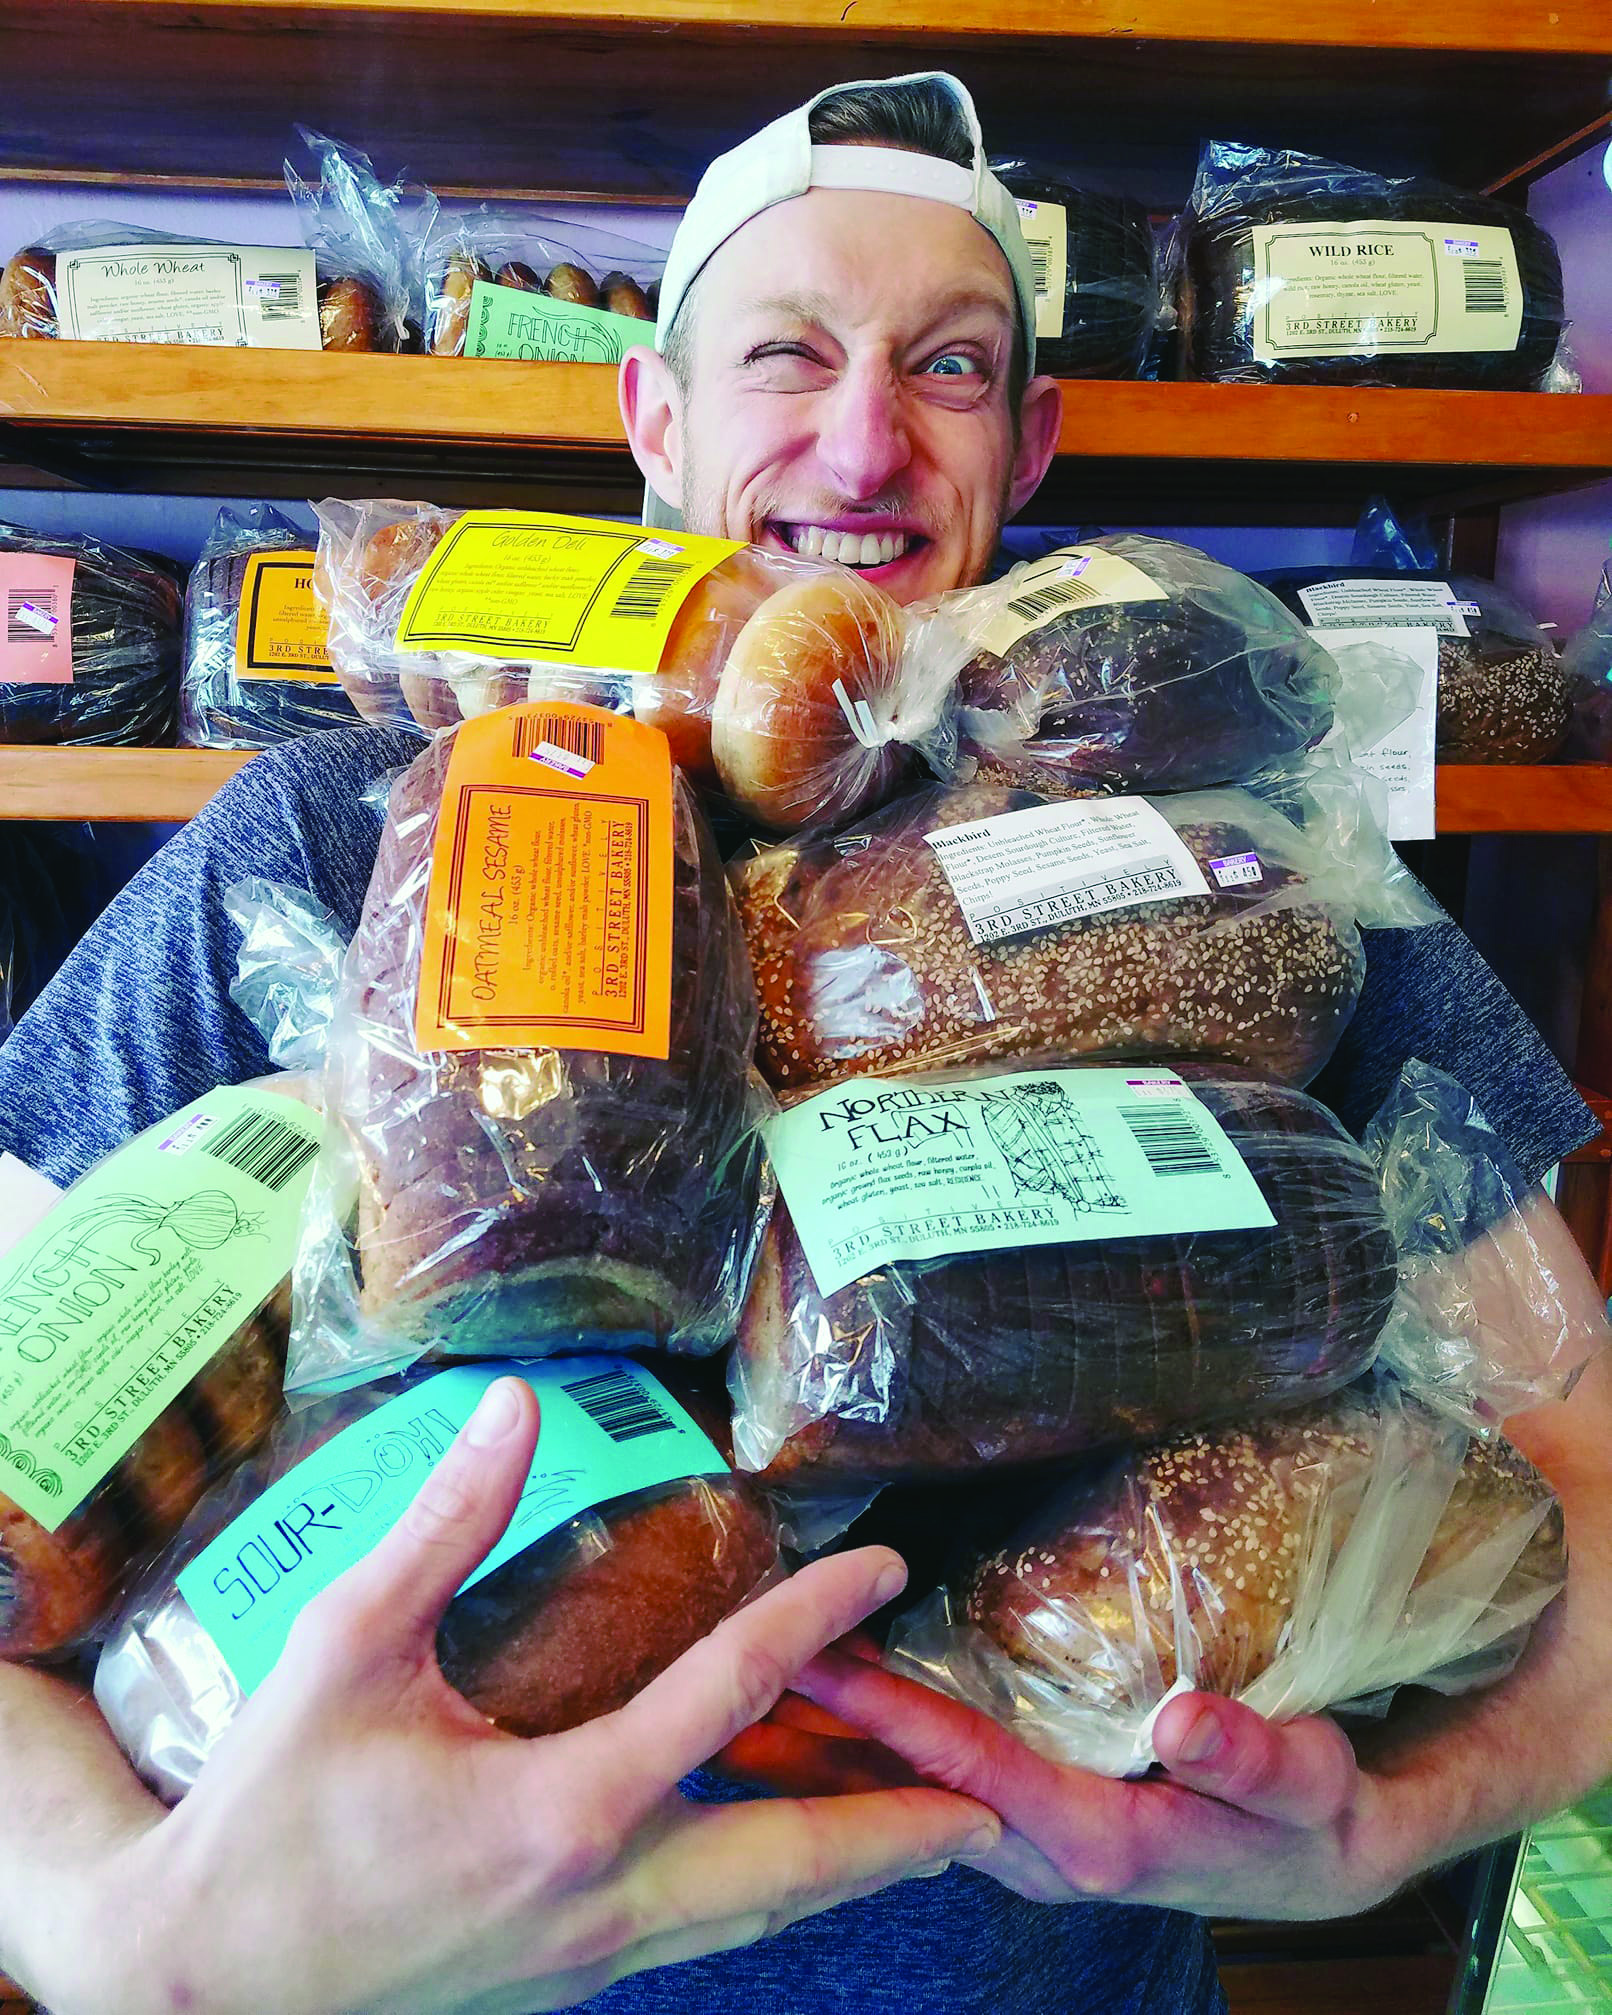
{"type": "Point", "coordinates": [403, 1584]}
{"type": "Point", "coordinates": [1303, 1772]}
{"type": "Point", "coordinates": [730, 1679]}
{"type": "Point", "coordinates": [801, 1763]}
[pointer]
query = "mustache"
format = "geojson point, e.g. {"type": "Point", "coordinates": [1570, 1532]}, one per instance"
{"type": "Point", "coordinates": [824, 510]}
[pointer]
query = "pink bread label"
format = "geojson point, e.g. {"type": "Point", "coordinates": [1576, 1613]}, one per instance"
{"type": "Point", "coordinates": [36, 595]}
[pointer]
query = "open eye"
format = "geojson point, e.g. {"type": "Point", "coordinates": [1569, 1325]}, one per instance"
{"type": "Point", "coordinates": [954, 364]}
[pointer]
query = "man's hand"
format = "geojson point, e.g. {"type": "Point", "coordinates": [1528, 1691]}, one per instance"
{"type": "Point", "coordinates": [364, 1840]}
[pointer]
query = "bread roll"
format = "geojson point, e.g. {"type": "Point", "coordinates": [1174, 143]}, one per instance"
{"type": "Point", "coordinates": [781, 732]}
{"type": "Point", "coordinates": [927, 1370]}
{"type": "Point", "coordinates": [516, 273]}
{"type": "Point", "coordinates": [352, 315]}
{"type": "Point", "coordinates": [622, 295]}
{"type": "Point", "coordinates": [863, 960]}
{"type": "Point", "coordinates": [568, 282]}
{"type": "Point", "coordinates": [1202, 1548]}
{"type": "Point", "coordinates": [576, 1625]}
{"type": "Point", "coordinates": [450, 305]}
{"type": "Point", "coordinates": [28, 293]}
{"type": "Point", "coordinates": [55, 1586]}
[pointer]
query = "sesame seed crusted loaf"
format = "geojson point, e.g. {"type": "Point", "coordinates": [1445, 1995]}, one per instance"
{"type": "Point", "coordinates": [1297, 1562]}
{"type": "Point", "coordinates": [932, 1369]}
{"type": "Point", "coordinates": [864, 962]}
{"type": "Point", "coordinates": [512, 1201]}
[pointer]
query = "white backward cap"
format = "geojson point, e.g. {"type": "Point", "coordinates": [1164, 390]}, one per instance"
{"type": "Point", "coordinates": [780, 163]}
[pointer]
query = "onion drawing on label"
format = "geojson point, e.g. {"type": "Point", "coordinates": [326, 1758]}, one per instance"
{"type": "Point", "coordinates": [1037, 1131]}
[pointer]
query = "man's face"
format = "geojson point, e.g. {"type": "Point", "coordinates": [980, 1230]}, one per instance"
{"type": "Point", "coordinates": [849, 395]}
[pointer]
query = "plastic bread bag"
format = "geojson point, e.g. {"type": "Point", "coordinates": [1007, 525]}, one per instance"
{"type": "Point", "coordinates": [1587, 667]}
{"type": "Point", "coordinates": [1498, 1309]}
{"type": "Point", "coordinates": [1502, 691]}
{"type": "Point", "coordinates": [106, 282]}
{"type": "Point", "coordinates": [287, 969]}
{"type": "Point", "coordinates": [1098, 293]}
{"type": "Point", "coordinates": [355, 226]}
{"type": "Point", "coordinates": [142, 1341]}
{"type": "Point", "coordinates": [539, 1087]}
{"type": "Point", "coordinates": [1290, 269]}
{"type": "Point", "coordinates": [256, 670]}
{"type": "Point", "coordinates": [781, 680]}
{"type": "Point", "coordinates": [966, 1271]}
{"type": "Point", "coordinates": [632, 1541]}
{"type": "Point", "coordinates": [1312, 1560]}
{"type": "Point", "coordinates": [1128, 663]}
{"type": "Point", "coordinates": [972, 922]}
{"type": "Point", "coordinates": [591, 287]}
{"type": "Point", "coordinates": [91, 646]}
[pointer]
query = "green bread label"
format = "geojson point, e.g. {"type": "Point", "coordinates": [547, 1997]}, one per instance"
{"type": "Point", "coordinates": [886, 1169]}
{"type": "Point", "coordinates": [510, 322]}
{"type": "Point", "coordinates": [136, 1279]}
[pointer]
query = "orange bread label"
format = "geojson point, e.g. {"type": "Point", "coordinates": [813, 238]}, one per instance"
{"type": "Point", "coordinates": [282, 630]}
{"type": "Point", "coordinates": [548, 920]}
{"type": "Point", "coordinates": [580, 591]}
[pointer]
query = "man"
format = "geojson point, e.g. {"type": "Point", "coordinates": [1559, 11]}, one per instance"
{"type": "Point", "coordinates": [847, 367]}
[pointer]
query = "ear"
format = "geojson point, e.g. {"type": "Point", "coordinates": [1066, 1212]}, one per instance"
{"type": "Point", "coordinates": [652, 413]}
{"type": "Point", "coordinates": [1040, 423]}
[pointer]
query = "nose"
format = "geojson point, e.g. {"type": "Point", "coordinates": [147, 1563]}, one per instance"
{"type": "Point", "coordinates": [862, 438]}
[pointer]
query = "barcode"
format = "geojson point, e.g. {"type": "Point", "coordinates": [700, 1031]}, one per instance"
{"type": "Point", "coordinates": [30, 615]}
{"type": "Point", "coordinates": [620, 1405]}
{"type": "Point", "coordinates": [640, 600]}
{"type": "Point", "coordinates": [1058, 595]}
{"type": "Point", "coordinates": [1039, 264]}
{"type": "Point", "coordinates": [1485, 286]}
{"type": "Point", "coordinates": [577, 738]}
{"type": "Point", "coordinates": [270, 1152]}
{"type": "Point", "coordinates": [279, 296]}
{"type": "Point", "coordinates": [1172, 1144]}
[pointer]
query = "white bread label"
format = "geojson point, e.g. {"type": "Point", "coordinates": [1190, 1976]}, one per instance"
{"type": "Point", "coordinates": [880, 1170]}
{"type": "Point", "coordinates": [1402, 759]}
{"type": "Point", "coordinates": [1073, 578]}
{"type": "Point", "coordinates": [1046, 232]}
{"type": "Point", "coordinates": [260, 297]}
{"type": "Point", "coordinates": [1030, 870]}
{"type": "Point", "coordinates": [1370, 286]}
{"type": "Point", "coordinates": [1387, 605]}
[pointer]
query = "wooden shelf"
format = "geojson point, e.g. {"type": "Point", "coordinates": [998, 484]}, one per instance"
{"type": "Point", "coordinates": [121, 416]}
{"type": "Point", "coordinates": [165, 785]}
{"type": "Point", "coordinates": [633, 99]}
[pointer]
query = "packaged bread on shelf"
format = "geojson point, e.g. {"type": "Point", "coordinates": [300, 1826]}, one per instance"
{"type": "Point", "coordinates": [1290, 269]}
{"type": "Point", "coordinates": [965, 1272]}
{"type": "Point", "coordinates": [142, 1347]}
{"type": "Point", "coordinates": [501, 282]}
{"type": "Point", "coordinates": [1498, 1309]}
{"type": "Point", "coordinates": [633, 1541]}
{"type": "Point", "coordinates": [92, 642]}
{"type": "Point", "coordinates": [974, 922]}
{"type": "Point", "coordinates": [1127, 663]}
{"type": "Point", "coordinates": [256, 666]}
{"type": "Point", "coordinates": [1098, 292]}
{"type": "Point", "coordinates": [1587, 668]}
{"type": "Point", "coordinates": [539, 1085]}
{"type": "Point", "coordinates": [1318, 1559]}
{"type": "Point", "coordinates": [782, 682]}
{"type": "Point", "coordinates": [1502, 692]}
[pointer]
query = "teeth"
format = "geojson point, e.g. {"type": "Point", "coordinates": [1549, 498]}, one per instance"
{"type": "Point", "coordinates": [847, 549]}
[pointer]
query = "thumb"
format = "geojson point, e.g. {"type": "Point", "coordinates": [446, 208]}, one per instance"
{"type": "Point", "coordinates": [398, 1591]}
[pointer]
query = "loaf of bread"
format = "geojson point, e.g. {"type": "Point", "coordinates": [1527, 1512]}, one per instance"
{"type": "Point", "coordinates": [930, 1369]}
{"type": "Point", "coordinates": [124, 617]}
{"type": "Point", "coordinates": [1209, 683]}
{"type": "Point", "coordinates": [521, 1200]}
{"type": "Point", "coordinates": [57, 1589]}
{"type": "Point", "coordinates": [1298, 1562]}
{"type": "Point", "coordinates": [568, 1629]}
{"type": "Point", "coordinates": [815, 720]}
{"type": "Point", "coordinates": [218, 708]}
{"type": "Point", "coordinates": [1106, 312]}
{"type": "Point", "coordinates": [1224, 289]}
{"type": "Point", "coordinates": [864, 962]}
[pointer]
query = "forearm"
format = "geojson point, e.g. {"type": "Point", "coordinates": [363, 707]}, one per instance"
{"type": "Point", "coordinates": [71, 1801]}
{"type": "Point", "coordinates": [1459, 1773]}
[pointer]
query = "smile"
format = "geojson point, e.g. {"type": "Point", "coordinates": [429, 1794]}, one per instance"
{"type": "Point", "coordinates": [847, 549]}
